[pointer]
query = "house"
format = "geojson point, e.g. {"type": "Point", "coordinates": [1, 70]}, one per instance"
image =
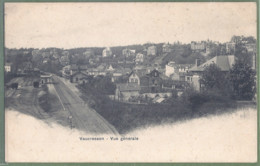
{"type": "Point", "coordinates": [188, 78]}
{"type": "Point", "coordinates": [75, 68]}
{"type": "Point", "coordinates": [176, 70]}
{"type": "Point", "coordinates": [107, 52]}
{"type": "Point", "coordinates": [96, 72]}
{"type": "Point", "coordinates": [110, 68]}
{"type": "Point", "coordinates": [100, 70]}
{"type": "Point", "coordinates": [116, 75]}
{"type": "Point", "coordinates": [46, 79]}
{"type": "Point", "coordinates": [139, 58]}
{"type": "Point", "coordinates": [126, 91]}
{"type": "Point", "coordinates": [168, 85]}
{"type": "Point", "coordinates": [127, 52]}
{"type": "Point", "coordinates": [142, 83]}
{"type": "Point", "coordinates": [152, 50]}
{"type": "Point", "coordinates": [198, 46]}
{"type": "Point", "coordinates": [166, 48]}
{"type": "Point", "coordinates": [8, 67]}
{"type": "Point", "coordinates": [134, 78]}
{"type": "Point", "coordinates": [224, 62]}
{"type": "Point", "coordinates": [151, 83]}
{"type": "Point", "coordinates": [79, 77]}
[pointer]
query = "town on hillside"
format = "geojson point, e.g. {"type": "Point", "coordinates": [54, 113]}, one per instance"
{"type": "Point", "coordinates": [127, 78]}
{"type": "Point", "coordinates": [149, 70]}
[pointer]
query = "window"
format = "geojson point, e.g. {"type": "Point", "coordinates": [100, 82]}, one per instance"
{"type": "Point", "coordinates": [155, 82]}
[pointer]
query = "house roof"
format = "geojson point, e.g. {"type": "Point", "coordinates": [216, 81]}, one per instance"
{"type": "Point", "coordinates": [46, 76]}
{"type": "Point", "coordinates": [176, 65]}
{"type": "Point", "coordinates": [128, 87]}
{"type": "Point", "coordinates": [79, 72]}
{"type": "Point", "coordinates": [76, 67]}
{"type": "Point", "coordinates": [224, 62]}
{"type": "Point", "coordinates": [158, 99]}
{"type": "Point", "coordinates": [101, 67]}
{"type": "Point", "coordinates": [8, 64]}
{"type": "Point", "coordinates": [139, 73]}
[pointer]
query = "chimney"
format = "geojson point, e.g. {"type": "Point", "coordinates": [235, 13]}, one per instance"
{"type": "Point", "coordinates": [197, 62]}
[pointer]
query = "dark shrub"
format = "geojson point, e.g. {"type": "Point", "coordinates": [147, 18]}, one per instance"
{"type": "Point", "coordinates": [14, 85]}
{"type": "Point", "coordinates": [36, 84]}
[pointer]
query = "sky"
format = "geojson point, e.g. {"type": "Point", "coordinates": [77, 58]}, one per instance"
{"type": "Point", "coordinates": [72, 25]}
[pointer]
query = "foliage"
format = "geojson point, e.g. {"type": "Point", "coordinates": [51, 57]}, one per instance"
{"type": "Point", "coordinates": [213, 78]}
{"type": "Point", "coordinates": [195, 100]}
{"type": "Point", "coordinates": [243, 81]}
{"type": "Point", "coordinates": [243, 55]}
{"type": "Point", "coordinates": [101, 84]}
{"type": "Point", "coordinates": [240, 39]}
{"type": "Point", "coordinates": [216, 50]}
{"type": "Point", "coordinates": [182, 55]}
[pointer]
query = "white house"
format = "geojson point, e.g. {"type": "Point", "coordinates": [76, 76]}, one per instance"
{"type": "Point", "coordinates": [169, 68]}
{"type": "Point", "coordinates": [139, 58]}
{"type": "Point", "coordinates": [127, 52]}
{"type": "Point", "coordinates": [134, 78]}
{"type": "Point", "coordinates": [107, 52]}
{"type": "Point", "coordinates": [110, 68]}
{"type": "Point", "coordinates": [8, 67]}
{"type": "Point", "coordinates": [152, 50]}
{"type": "Point", "coordinates": [173, 68]}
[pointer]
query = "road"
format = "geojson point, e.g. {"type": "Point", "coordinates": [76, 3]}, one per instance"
{"type": "Point", "coordinates": [83, 117]}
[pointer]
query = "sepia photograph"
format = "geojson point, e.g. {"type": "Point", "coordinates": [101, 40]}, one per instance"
{"type": "Point", "coordinates": [130, 82]}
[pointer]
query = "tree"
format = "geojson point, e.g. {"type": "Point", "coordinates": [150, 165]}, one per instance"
{"type": "Point", "coordinates": [243, 55]}
{"type": "Point", "coordinates": [250, 39]}
{"type": "Point", "coordinates": [215, 51]}
{"type": "Point", "coordinates": [236, 39]}
{"type": "Point", "coordinates": [213, 78]}
{"type": "Point", "coordinates": [243, 82]}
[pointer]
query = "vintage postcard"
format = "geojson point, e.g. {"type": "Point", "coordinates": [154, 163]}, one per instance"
{"type": "Point", "coordinates": [138, 82]}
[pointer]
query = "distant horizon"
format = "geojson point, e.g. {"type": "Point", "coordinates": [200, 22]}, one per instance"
{"type": "Point", "coordinates": [80, 25]}
{"type": "Point", "coordinates": [171, 43]}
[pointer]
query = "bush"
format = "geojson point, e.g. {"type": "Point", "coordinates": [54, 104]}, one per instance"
{"type": "Point", "coordinates": [196, 100]}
